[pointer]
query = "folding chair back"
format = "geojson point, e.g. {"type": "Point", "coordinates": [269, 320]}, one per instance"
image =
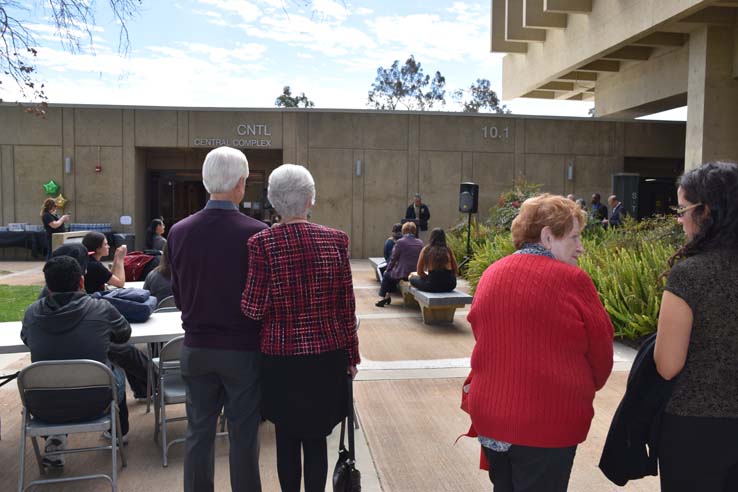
{"type": "Point", "coordinates": [167, 302]}
{"type": "Point", "coordinates": [67, 397]}
{"type": "Point", "coordinates": [67, 391]}
{"type": "Point", "coordinates": [171, 351]}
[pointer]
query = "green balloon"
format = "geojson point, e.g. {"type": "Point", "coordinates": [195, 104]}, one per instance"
{"type": "Point", "coordinates": [51, 188]}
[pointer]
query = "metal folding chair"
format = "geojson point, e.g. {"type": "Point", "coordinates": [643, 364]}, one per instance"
{"type": "Point", "coordinates": [167, 302]}
{"type": "Point", "coordinates": [168, 390]}
{"type": "Point", "coordinates": [68, 397]}
{"type": "Point", "coordinates": [153, 351]}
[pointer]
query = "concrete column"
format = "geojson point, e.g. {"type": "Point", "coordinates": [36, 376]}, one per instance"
{"type": "Point", "coordinates": [519, 136]}
{"type": "Point", "coordinates": [7, 184]}
{"type": "Point", "coordinates": [358, 243]}
{"type": "Point", "coordinates": [712, 97]}
{"type": "Point", "coordinates": [133, 183]}
{"type": "Point", "coordinates": [69, 184]}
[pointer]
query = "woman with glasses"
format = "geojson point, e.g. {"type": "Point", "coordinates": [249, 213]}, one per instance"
{"type": "Point", "coordinates": [697, 338]}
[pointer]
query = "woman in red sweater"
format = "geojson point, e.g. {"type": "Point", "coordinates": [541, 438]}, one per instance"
{"type": "Point", "coordinates": [543, 348]}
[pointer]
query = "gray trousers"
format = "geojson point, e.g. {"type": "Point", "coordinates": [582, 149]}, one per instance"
{"type": "Point", "coordinates": [218, 379]}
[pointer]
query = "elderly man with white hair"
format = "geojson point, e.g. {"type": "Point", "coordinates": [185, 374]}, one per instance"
{"type": "Point", "coordinates": [299, 283]}
{"type": "Point", "coordinates": [220, 357]}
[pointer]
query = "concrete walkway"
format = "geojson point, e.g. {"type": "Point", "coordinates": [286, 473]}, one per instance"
{"type": "Point", "coordinates": [407, 399]}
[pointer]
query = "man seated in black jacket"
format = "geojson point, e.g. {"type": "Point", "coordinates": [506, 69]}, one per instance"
{"type": "Point", "coordinates": [69, 324]}
{"type": "Point", "coordinates": [124, 355]}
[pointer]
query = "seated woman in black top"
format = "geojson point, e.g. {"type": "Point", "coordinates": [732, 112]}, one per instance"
{"type": "Point", "coordinates": [437, 266]}
{"type": "Point", "coordinates": [52, 222]}
{"type": "Point", "coordinates": [98, 274]}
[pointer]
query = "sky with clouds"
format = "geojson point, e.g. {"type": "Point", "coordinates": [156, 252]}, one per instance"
{"type": "Point", "coordinates": [240, 53]}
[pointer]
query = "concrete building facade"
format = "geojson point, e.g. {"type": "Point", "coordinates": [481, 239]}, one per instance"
{"type": "Point", "coordinates": [632, 57]}
{"type": "Point", "coordinates": [145, 162]}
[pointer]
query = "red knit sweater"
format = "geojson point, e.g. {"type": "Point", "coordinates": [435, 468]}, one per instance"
{"type": "Point", "coordinates": [543, 347]}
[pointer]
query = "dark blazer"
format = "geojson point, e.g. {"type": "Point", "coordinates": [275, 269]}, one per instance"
{"type": "Point", "coordinates": [424, 215]}
{"type": "Point", "coordinates": [599, 213]}
{"type": "Point", "coordinates": [637, 421]}
{"type": "Point", "coordinates": [616, 218]}
{"type": "Point", "coordinates": [404, 259]}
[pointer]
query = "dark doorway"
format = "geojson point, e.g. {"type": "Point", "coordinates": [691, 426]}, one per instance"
{"type": "Point", "coordinates": [175, 194]}
{"type": "Point", "coordinates": [175, 189]}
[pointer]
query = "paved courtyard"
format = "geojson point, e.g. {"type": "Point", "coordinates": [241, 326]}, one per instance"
{"type": "Point", "coordinates": [407, 399]}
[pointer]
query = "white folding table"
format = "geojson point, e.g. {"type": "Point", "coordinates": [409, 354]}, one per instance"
{"type": "Point", "coordinates": [160, 327]}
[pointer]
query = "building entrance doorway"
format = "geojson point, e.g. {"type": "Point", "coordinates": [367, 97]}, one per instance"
{"type": "Point", "coordinates": [175, 189]}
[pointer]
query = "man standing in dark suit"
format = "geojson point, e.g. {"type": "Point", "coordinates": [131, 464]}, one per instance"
{"type": "Point", "coordinates": [599, 210]}
{"type": "Point", "coordinates": [420, 213]}
{"type": "Point", "coordinates": [616, 218]}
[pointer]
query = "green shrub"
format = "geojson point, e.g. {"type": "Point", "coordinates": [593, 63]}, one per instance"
{"type": "Point", "coordinates": [456, 236]}
{"type": "Point", "coordinates": [625, 264]}
{"type": "Point", "coordinates": [508, 205]}
{"type": "Point", "coordinates": [498, 246]}
{"type": "Point", "coordinates": [628, 281]}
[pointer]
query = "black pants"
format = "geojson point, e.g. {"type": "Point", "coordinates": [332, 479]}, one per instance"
{"type": "Point", "coordinates": [435, 281]}
{"type": "Point", "coordinates": [289, 467]}
{"type": "Point", "coordinates": [698, 454]}
{"type": "Point", "coordinates": [528, 469]}
{"type": "Point", "coordinates": [389, 284]}
{"type": "Point", "coordinates": [134, 363]}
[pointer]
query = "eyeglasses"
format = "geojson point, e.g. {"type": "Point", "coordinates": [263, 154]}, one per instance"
{"type": "Point", "coordinates": [681, 211]}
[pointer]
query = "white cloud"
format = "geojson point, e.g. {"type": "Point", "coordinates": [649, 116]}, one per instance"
{"type": "Point", "coordinates": [327, 38]}
{"type": "Point", "coordinates": [364, 11]}
{"type": "Point", "coordinates": [247, 11]}
{"type": "Point", "coordinates": [330, 8]}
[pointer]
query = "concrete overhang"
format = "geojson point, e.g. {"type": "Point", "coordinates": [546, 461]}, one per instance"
{"type": "Point", "coordinates": [593, 41]}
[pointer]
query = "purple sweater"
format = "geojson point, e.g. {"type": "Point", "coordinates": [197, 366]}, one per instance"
{"type": "Point", "coordinates": [209, 259]}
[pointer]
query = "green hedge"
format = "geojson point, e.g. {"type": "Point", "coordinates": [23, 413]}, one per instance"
{"type": "Point", "coordinates": [626, 265]}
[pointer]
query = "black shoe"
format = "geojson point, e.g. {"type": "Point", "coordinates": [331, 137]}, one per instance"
{"type": "Point", "coordinates": [384, 302]}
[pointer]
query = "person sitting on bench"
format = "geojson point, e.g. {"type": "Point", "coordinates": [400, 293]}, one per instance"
{"type": "Point", "coordinates": [402, 262]}
{"type": "Point", "coordinates": [437, 267]}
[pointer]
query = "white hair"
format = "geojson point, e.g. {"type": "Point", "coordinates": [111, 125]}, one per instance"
{"type": "Point", "coordinates": [222, 169]}
{"type": "Point", "coordinates": [291, 190]}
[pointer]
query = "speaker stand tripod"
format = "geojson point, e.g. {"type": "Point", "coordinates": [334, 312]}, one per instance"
{"type": "Point", "coordinates": [468, 255]}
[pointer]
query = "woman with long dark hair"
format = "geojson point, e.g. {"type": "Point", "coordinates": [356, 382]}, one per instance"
{"type": "Point", "coordinates": [154, 239]}
{"type": "Point", "coordinates": [697, 337]}
{"type": "Point", "coordinates": [98, 275]}
{"type": "Point", "coordinates": [437, 267]}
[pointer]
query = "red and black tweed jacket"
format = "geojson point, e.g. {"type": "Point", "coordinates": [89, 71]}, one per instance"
{"type": "Point", "coordinates": [299, 283]}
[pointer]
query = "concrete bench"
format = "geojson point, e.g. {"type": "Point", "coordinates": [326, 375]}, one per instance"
{"type": "Point", "coordinates": [377, 262]}
{"type": "Point", "coordinates": [436, 307]}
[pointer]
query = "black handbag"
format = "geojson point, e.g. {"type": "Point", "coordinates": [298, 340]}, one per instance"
{"type": "Point", "coordinates": [346, 478]}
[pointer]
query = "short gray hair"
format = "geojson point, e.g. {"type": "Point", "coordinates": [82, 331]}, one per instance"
{"type": "Point", "coordinates": [222, 169]}
{"type": "Point", "coordinates": [291, 188]}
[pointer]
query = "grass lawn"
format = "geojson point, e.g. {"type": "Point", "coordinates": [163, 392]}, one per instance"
{"type": "Point", "coordinates": [14, 299]}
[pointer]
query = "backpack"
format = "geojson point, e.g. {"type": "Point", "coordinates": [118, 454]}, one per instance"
{"type": "Point", "coordinates": [138, 264]}
{"type": "Point", "coordinates": [135, 305]}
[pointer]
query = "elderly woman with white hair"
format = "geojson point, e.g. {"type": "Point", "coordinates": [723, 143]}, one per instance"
{"type": "Point", "coordinates": [299, 283]}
